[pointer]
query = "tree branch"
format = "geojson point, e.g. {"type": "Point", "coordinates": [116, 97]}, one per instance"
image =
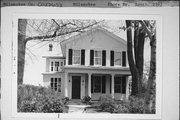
{"type": "Point", "coordinates": [59, 34]}
{"type": "Point", "coordinates": [146, 29]}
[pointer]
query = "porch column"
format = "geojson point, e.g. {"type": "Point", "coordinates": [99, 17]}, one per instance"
{"type": "Point", "coordinates": [112, 86]}
{"type": "Point", "coordinates": [127, 86]}
{"type": "Point", "coordinates": [66, 85]}
{"type": "Point", "coordinates": [89, 84]}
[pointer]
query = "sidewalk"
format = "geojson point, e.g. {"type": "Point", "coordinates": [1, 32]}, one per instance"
{"type": "Point", "coordinates": [77, 108]}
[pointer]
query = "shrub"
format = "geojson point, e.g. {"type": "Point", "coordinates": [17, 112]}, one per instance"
{"type": "Point", "coordinates": [38, 99]}
{"type": "Point", "coordinates": [123, 107]}
{"type": "Point", "coordinates": [65, 100]}
{"type": "Point", "coordinates": [86, 99]}
{"type": "Point", "coordinates": [27, 106]}
{"type": "Point", "coordinates": [107, 104]}
{"type": "Point", "coordinates": [53, 105]}
{"type": "Point", "coordinates": [136, 104]}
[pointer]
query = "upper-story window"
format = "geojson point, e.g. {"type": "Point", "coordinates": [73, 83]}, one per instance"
{"type": "Point", "coordinates": [61, 63]}
{"type": "Point", "coordinates": [97, 57]}
{"type": "Point", "coordinates": [55, 66]}
{"type": "Point", "coordinates": [76, 57]}
{"type": "Point", "coordinates": [117, 58]}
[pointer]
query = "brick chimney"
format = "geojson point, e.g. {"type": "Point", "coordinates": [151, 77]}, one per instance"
{"type": "Point", "coordinates": [50, 47]}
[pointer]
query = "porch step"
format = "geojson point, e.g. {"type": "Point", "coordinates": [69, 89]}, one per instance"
{"type": "Point", "coordinates": [75, 102]}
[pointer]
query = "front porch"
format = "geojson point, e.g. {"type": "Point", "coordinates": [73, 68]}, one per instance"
{"type": "Point", "coordinates": [96, 82]}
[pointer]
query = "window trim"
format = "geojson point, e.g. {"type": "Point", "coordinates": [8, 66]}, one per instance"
{"type": "Point", "coordinates": [116, 65]}
{"type": "Point", "coordinates": [52, 84]}
{"type": "Point", "coordinates": [76, 56]}
{"type": "Point", "coordinates": [100, 83]}
{"type": "Point", "coordinates": [121, 86]}
{"type": "Point", "coordinates": [54, 66]}
{"type": "Point", "coordinates": [62, 64]}
{"type": "Point", "coordinates": [98, 57]}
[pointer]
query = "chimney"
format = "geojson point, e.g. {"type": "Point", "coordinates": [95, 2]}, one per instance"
{"type": "Point", "coordinates": [50, 47]}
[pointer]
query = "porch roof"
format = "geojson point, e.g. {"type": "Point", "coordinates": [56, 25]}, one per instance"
{"type": "Point", "coordinates": [99, 70]}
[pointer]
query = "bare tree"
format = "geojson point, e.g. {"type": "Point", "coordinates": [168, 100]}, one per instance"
{"type": "Point", "coordinates": [46, 30]}
{"type": "Point", "coordinates": [136, 60]}
{"type": "Point", "coordinates": [150, 28]}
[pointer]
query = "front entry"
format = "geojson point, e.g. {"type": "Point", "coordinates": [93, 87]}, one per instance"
{"type": "Point", "coordinates": [76, 87]}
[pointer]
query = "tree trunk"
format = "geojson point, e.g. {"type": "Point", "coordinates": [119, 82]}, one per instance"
{"type": "Point", "coordinates": [139, 37]}
{"type": "Point", "coordinates": [136, 39]}
{"type": "Point", "coordinates": [151, 88]}
{"type": "Point", "coordinates": [133, 69]}
{"type": "Point", "coordinates": [21, 48]}
{"type": "Point", "coordinates": [140, 56]}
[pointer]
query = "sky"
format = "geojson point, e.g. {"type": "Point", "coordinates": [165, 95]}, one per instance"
{"type": "Point", "coordinates": [35, 63]}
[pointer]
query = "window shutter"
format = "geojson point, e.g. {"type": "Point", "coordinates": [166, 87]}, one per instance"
{"type": "Point", "coordinates": [52, 82]}
{"type": "Point", "coordinates": [70, 57]}
{"type": "Point", "coordinates": [83, 57]}
{"type": "Point", "coordinates": [91, 57]}
{"type": "Point", "coordinates": [124, 84]}
{"type": "Point", "coordinates": [124, 58]}
{"type": "Point", "coordinates": [110, 83]}
{"type": "Point", "coordinates": [104, 58]}
{"type": "Point", "coordinates": [103, 84]}
{"type": "Point", "coordinates": [92, 84]}
{"type": "Point", "coordinates": [112, 57]}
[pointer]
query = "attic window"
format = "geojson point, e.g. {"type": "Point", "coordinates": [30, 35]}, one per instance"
{"type": "Point", "coordinates": [50, 47]}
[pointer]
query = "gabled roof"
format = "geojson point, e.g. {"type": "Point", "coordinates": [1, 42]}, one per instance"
{"type": "Point", "coordinates": [117, 38]}
{"type": "Point", "coordinates": [54, 57]}
{"type": "Point", "coordinates": [93, 30]}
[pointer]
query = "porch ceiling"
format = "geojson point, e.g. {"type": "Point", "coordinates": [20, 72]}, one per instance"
{"type": "Point", "coordinates": [93, 69]}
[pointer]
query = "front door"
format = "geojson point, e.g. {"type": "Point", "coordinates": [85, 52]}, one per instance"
{"type": "Point", "coordinates": [76, 87]}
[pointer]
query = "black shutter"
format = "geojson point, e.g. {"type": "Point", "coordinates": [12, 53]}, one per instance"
{"type": "Point", "coordinates": [124, 58]}
{"type": "Point", "coordinates": [112, 58]}
{"type": "Point", "coordinates": [103, 84]}
{"type": "Point", "coordinates": [91, 57]}
{"type": "Point", "coordinates": [123, 84]}
{"type": "Point", "coordinates": [83, 57]}
{"type": "Point", "coordinates": [91, 83]}
{"type": "Point", "coordinates": [70, 57]}
{"type": "Point", "coordinates": [110, 83]}
{"type": "Point", "coordinates": [103, 58]}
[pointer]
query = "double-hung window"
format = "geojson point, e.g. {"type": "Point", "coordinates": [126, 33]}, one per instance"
{"type": "Point", "coordinates": [117, 58]}
{"type": "Point", "coordinates": [76, 57]}
{"type": "Point", "coordinates": [56, 84]}
{"type": "Point", "coordinates": [97, 82]}
{"type": "Point", "coordinates": [118, 84]}
{"type": "Point", "coordinates": [55, 66]}
{"type": "Point", "coordinates": [97, 57]}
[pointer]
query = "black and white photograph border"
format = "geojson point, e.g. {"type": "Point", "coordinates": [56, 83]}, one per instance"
{"type": "Point", "coordinates": [167, 95]}
{"type": "Point", "coordinates": [90, 16]}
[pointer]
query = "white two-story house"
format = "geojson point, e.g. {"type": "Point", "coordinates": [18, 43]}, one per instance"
{"type": "Point", "coordinates": [93, 63]}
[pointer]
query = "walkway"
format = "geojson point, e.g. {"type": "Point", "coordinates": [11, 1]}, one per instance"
{"type": "Point", "coordinates": [76, 106]}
